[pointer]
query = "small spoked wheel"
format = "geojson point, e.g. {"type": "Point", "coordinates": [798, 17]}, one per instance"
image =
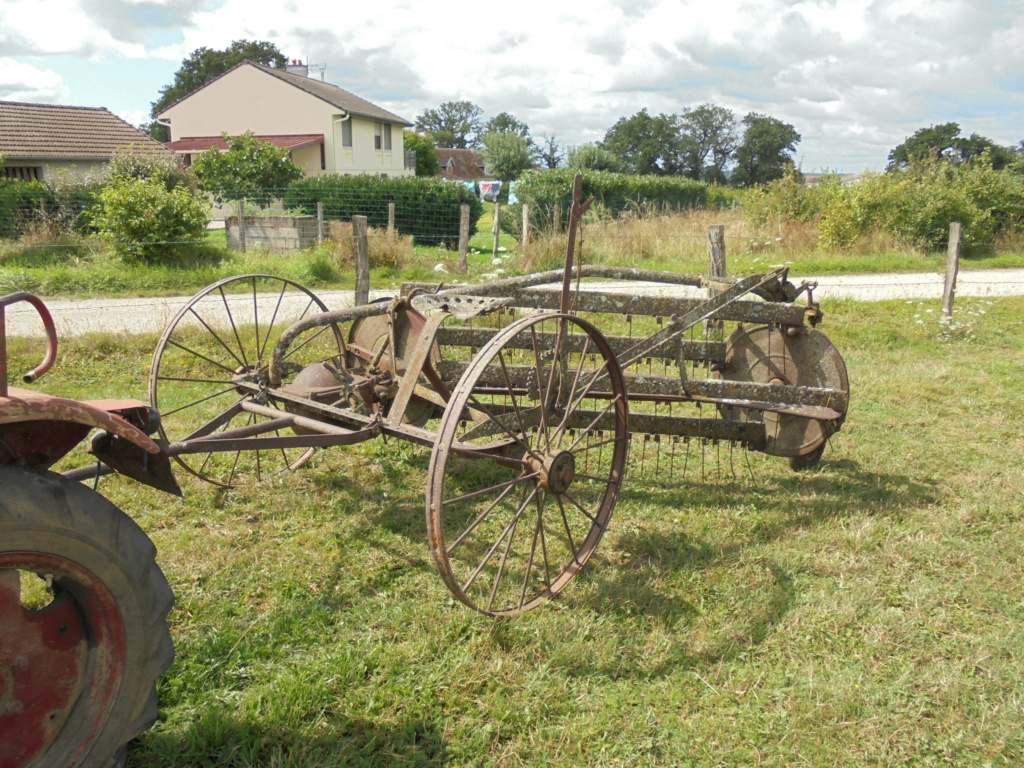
{"type": "Point", "coordinates": [527, 466]}
{"type": "Point", "coordinates": [83, 627]}
{"type": "Point", "coordinates": [214, 357]}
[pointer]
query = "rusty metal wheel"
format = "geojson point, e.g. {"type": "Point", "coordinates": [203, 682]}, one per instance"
{"type": "Point", "coordinates": [83, 628]}
{"type": "Point", "coordinates": [766, 354]}
{"type": "Point", "coordinates": [213, 358]}
{"type": "Point", "coordinates": [528, 462]}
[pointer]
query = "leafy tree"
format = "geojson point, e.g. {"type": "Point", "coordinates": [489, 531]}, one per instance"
{"type": "Point", "coordinates": [708, 136]}
{"type": "Point", "coordinates": [426, 154]}
{"type": "Point", "coordinates": [944, 141]}
{"type": "Point", "coordinates": [202, 66]}
{"type": "Point", "coordinates": [453, 125]}
{"type": "Point", "coordinates": [550, 152]}
{"type": "Point", "coordinates": [591, 157]}
{"type": "Point", "coordinates": [645, 144]}
{"type": "Point", "coordinates": [506, 123]}
{"type": "Point", "coordinates": [507, 154]}
{"type": "Point", "coordinates": [765, 151]}
{"type": "Point", "coordinates": [249, 168]}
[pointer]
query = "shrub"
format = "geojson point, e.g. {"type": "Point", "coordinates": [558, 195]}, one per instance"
{"type": "Point", "coordinates": [614, 193]}
{"type": "Point", "coordinates": [249, 168]}
{"type": "Point", "coordinates": [386, 249]}
{"type": "Point", "coordinates": [145, 221]}
{"type": "Point", "coordinates": [428, 209]}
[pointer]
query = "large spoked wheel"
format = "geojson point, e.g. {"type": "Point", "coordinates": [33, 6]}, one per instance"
{"type": "Point", "coordinates": [765, 354]}
{"type": "Point", "coordinates": [528, 462]}
{"type": "Point", "coordinates": [214, 357]}
{"type": "Point", "coordinates": [78, 661]}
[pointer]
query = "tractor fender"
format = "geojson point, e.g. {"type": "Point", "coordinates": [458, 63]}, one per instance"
{"type": "Point", "coordinates": [25, 405]}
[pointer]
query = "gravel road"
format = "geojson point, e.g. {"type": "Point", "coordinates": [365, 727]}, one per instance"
{"type": "Point", "coordinates": [151, 315]}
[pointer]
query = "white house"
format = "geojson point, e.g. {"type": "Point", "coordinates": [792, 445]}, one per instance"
{"type": "Point", "coordinates": [326, 128]}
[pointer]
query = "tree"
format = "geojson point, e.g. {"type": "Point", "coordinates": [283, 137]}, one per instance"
{"type": "Point", "coordinates": [550, 152]}
{"type": "Point", "coordinates": [765, 151]}
{"type": "Point", "coordinates": [591, 157]}
{"type": "Point", "coordinates": [506, 123]}
{"type": "Point", "coordinates": [202, 66]}
{"type": "Point", "coordinates": [426, 154]}
{"type": "Point", "coordinates": [249, 168]}
{"type": "Point", "coordinates": [453, 125]}
{"type": "Point", "coordinates": [645, 144]}
{"type": "Point", "coordinates": [944, 141]}
{"type": "Point", "coordinates": [708, 135]}
{"type": "Point", "coordinates": [507, 154]}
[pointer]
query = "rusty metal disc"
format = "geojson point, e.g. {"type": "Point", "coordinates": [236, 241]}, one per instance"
{"type": "Point", "coordinates": [765, 354]}
{"type": "Point", "coordinates": [369, 340]}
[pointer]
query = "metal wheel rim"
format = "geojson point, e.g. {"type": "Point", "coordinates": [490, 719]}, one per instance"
{"type": "Point", "coordinates": [266, 463]}
{"type": "Point", "coordinates": [440, 504]}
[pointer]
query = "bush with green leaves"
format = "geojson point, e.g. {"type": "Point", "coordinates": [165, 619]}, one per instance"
{"type": "Point", "coordinates": [144, 221]}
{"type": "Point", "coordinates": [18, 202]}
{"type": "Point", "coordinates": [429, 209]}
{"type": "Point", "coordinates": [614, 193]}
{"type": "Point", "coordinates": [249, 167]}
{"type": "Point", "coordinates": [917, 205]}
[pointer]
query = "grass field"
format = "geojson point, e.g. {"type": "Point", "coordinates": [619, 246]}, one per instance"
{"type": "Point", "coordinates": [674, 242]}
{"type": "Point", "coordinates": [868, 612]}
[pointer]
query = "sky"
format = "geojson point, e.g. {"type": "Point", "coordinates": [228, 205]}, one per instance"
{"type": "Point", "coordinates": [855, 78]}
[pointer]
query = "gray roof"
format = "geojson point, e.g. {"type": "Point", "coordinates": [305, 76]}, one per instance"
{"type": "Point", "coordinates": [51, 131]}
{"type": "Point", "coordinates": [332, 94]}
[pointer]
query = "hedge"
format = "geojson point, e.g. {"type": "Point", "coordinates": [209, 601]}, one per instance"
{"type": "Point", "coordinates": [428, 209]}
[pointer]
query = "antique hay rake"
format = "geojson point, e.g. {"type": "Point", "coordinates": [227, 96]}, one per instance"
{"type": "Point", "coordinates": [529, 418]}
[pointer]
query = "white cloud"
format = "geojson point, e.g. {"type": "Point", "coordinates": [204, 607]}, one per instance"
{"type": "Point", "coordinates": [23, 82]}
{"type": "Point", "coordinates": [854, 77]}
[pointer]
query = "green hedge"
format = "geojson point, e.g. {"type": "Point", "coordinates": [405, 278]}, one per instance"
{"type": "Point", "coordinates": [428, 209]}
{"type": "Point", "coordinates": [613, 193]}
{"type": "Point", "coordinates": [65, 209]}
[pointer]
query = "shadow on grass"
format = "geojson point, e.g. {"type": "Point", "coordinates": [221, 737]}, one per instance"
{"type": "Point", "coordinates": [723, 597]}
{"type": "Point", "coordinates": [222, 739]}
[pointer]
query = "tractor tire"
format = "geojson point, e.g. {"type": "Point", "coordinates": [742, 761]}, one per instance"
{"type": "Point", "coordinates": [81, 650]}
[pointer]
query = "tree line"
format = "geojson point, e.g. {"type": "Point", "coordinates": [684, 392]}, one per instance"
{"type": "Point", "coordinates": [708, 143]}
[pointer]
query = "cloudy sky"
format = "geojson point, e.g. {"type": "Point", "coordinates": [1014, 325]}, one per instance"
{"type": "Point", "coordinates": [854, 77]}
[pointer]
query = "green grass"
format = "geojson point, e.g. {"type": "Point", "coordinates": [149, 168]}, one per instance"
{"type": "Point", "coordinates": [84, 268]}
{"type": "Point", "coordinates": [868, 613]}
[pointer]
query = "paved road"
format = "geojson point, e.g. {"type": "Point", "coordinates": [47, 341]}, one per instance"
{"type": "Point", "coordinates": [151, 315]}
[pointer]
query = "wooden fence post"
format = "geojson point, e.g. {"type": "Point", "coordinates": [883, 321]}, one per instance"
{"type": "Point", "coordinates": [956, 239]}
{"type": "Point", "coordinates": [319, 221]}
{"type": "Point", "coordinates": [526, 226]}
{"type": "Point", "coordinates": [496, 229]}
{"type": "Point", "coordinates": [463, 238]}
{"type": "Point", "coordinates": [241, 224]}
{"type": "Point", "coordinates": [391, 218]}
{"type": "Point", "coordinates": [556, 219]}
{"type": "Point", "coordinates": [716, 268]}
{"type": "Point", "coordinates": [362, 251]}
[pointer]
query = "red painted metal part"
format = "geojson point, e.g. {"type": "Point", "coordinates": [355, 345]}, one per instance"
{"type": "Point", "coordinates": [63, 660]}
{"type": "Point", "coordinates": [36, 430]}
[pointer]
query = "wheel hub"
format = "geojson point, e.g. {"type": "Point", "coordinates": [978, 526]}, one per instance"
{"type": "Point", "coordinates": [557, 472]}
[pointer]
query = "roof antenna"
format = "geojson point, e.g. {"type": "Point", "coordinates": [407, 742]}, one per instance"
{"type": "Point", "coordinates": [321, 67]}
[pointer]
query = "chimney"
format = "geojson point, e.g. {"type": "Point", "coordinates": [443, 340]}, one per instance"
{"type": "Point", "coordinates": [296, 67]}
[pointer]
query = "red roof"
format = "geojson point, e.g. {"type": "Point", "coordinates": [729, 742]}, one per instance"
{"type": "Point", "coordinates": [203, 143]}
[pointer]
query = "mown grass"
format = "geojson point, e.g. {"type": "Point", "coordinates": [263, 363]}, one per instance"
{"type": "Point", "coordinates": [865, 613]}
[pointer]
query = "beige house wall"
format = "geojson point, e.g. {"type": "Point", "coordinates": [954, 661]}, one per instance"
{"type": "Point", "coordinates": [247, 99]}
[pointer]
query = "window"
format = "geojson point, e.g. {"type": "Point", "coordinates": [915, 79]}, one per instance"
{"type": "Point", "coordinates": [23, 172]}
{"type": "Point", "coordinates": [378, 135]}
{"type": "Point", "coordinates": [346, 133]}
{"type": "Point", "coordinates": [387, 137]}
